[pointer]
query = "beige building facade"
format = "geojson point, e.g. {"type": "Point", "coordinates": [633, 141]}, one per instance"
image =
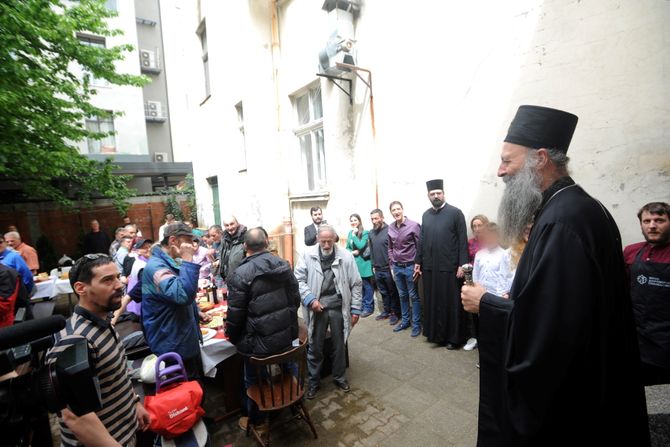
{"type": "Point", "coordinates": [269, 138]}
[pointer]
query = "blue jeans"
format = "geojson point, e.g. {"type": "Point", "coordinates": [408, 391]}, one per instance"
{"type": "Point", "coordinates": [407, 290]}
{"type": "Point", "coordinates": [368, 296]}
{"type": "Point", "coordinates": [388, 291]}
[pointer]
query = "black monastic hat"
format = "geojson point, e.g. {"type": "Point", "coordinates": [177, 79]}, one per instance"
{"type": "Point", "coordinates": [541, 127]}
{"type": "Point", "coordinates": [435, 184]}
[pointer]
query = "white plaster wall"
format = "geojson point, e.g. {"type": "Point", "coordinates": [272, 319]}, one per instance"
{"type": "Point", "coordinates": [448, 77]}
{"type": "Point", "coordinates": [131, 135]}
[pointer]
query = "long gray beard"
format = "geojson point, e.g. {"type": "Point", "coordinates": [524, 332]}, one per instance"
{"type": "Point", "coordinates": [521, 199]}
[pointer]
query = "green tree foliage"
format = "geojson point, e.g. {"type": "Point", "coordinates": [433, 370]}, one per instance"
{"type": "Point", "coordinates": [43, 104]}
{"type": "Point", "coordinates": [172, 207]}
{"type": "Point", "coordinates": [189, 190]}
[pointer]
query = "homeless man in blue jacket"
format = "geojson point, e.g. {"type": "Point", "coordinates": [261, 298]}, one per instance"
{"type": "Point", "coordinates": [170, 315]}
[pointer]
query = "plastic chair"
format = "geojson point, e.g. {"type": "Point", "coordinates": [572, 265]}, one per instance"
{"type": "Point", "coordinates": [281, 384]}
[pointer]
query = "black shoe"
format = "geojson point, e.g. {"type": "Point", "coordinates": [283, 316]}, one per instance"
{"type": "Point", "coordinates": [452, 347]}
{"type": "Point", "coordinates": [311, 392]}
{"type": "Point", "coordinates": [344, 386]}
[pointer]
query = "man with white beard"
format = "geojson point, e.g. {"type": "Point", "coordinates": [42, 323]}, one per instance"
{"type": "Point", "coordinates": [330, 289]}
{"type": "Point", "coordinates": [559, 360]}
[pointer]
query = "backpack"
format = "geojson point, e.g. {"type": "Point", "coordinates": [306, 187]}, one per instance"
{"type": "Point", "coordinates": [13, 295]}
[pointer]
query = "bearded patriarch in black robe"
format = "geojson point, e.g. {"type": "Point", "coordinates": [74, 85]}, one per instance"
{"type": "Point", "coordinates": [442, 249]}
{"type": "Point", "coordinates": [559, 359]}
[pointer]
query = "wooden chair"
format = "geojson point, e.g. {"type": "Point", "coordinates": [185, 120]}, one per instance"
{"type": "Point", "coordinates": [280, 384]}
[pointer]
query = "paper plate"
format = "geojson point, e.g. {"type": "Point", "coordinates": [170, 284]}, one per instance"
{"type": "Point", "coordinates": [207, 333]}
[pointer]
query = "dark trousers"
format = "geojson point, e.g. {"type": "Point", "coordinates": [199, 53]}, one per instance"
{"type": "Point", "coordinates": [388, 291]}
{"type": "Point", "coordinates": [654, 375]}
{"type": "Point", "coordinates": [322, 320]}
{"type": "Point", "coordinates": [194, 369]}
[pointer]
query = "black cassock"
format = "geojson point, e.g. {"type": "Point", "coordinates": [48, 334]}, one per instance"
{"type": "Point", "coordinates": [559, 359]}
{"type": "Point", "coordinates": [443, 247]}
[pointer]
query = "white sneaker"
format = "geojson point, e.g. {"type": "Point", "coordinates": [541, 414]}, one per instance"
{"type": "Point", "coordinates": [470, 345]}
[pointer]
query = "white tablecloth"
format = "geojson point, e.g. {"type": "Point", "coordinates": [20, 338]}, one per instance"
{"type": "Point", "coordinates": [213, 352]}
{"type": "Point", "coordinates": [51, 288]}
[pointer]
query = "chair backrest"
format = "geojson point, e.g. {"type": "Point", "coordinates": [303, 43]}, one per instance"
{"type": "Point", "coordinates": [280, 378]}
{"type": "Point", "coordinates": [169, 374]}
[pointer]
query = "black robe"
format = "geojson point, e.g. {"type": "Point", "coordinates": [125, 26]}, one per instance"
{"type": "Point", "coordinates": [559, 359]}
{"type": "Point", "coordinates": [442, 248]}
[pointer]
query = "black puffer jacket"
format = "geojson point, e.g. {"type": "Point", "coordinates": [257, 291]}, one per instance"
{"type": "Point", "coordinates": [263, 301]}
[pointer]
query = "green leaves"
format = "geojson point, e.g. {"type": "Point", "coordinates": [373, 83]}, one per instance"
{"type": "Point", "coordinates": [43, 104]}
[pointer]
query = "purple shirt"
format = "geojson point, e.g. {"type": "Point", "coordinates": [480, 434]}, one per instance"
{"type": "Point", "coordinates": [403, 242]}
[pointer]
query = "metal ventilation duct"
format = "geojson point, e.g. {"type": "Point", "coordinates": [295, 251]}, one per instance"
{"type": "Point", "coordinates": [340, 46]}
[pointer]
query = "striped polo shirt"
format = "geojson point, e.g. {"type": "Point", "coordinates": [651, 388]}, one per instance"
{"type": "Point", "coordinates": [109, 362]}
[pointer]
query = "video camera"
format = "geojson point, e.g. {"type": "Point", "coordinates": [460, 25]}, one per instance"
{"type": "Point", "coordinates": [47, 387]}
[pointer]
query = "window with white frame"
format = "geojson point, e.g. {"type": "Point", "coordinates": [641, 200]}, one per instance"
{"type": "Point", "coordinates": [106, 145]}
{"type": "Point", "coordinates": [239, 108]}
{"type": "Point", "coordinates": [310, 137]}
{"type": "Point", "coordinates": [93, 41]}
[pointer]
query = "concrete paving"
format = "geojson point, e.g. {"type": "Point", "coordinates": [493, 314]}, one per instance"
{"type": "Point", "coordinates": [405, 391]}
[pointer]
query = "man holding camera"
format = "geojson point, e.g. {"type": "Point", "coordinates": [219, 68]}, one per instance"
{"type": "Point", "coordinates": [95, 279]}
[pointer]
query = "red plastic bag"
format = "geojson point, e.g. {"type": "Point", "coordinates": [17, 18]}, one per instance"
{"type": "Point", "coordinates": [176, 409]}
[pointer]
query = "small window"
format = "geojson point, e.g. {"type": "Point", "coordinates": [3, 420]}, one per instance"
{"type": "Point", "coordinates": [309, 115]}
{"type": "Point", "coordinates": [107, 145]}
{"type": "Point", "coordinates": [202, 34]}
{"type": "Point", "coordinates": [239, 108]}
{"type": "Point", "coordinates": [92, 41]}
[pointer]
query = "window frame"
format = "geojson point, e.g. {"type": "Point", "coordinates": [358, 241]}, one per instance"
{"type": "Point", "coordinates": [98, 120]}
{"type": "Point", "coordinates": [239, 110]}
{"type": "Point", "coordinates": [314, 166]}
{"type": "Point", "coordinates": [201, 31]}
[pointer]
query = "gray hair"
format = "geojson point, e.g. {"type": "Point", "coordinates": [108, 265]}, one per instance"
{"type": "Point", "coordinates": [559, 159]}
{"type": "Point", "coordinates": [216, 228]}
{"type": "Point", "coordinates": [323, 228]}
{"type": "Point", "coordinates": [14, 234]}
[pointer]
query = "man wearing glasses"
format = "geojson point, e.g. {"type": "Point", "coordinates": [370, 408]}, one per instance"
{"type": "Point", "coordinates": [95, 279]}
{"type": "Point", "coordinates": [170, 315]}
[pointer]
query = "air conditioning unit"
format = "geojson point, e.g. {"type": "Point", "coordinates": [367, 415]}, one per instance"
{"type": "Point", "coordinates": [148, 59]}
{"type": "Point", "coordinates": [160, 157]}
{"type": "Point", "coordinates": [154, 109]}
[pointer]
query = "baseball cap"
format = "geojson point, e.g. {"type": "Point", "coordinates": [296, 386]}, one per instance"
{"type": "Point", "coordinates": [141, 242]}
{"type": "Point", "coordinates": [178, 229]}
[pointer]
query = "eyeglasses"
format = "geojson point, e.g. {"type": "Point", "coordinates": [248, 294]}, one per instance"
{"type": "Point", "coordinates": [76, 268]}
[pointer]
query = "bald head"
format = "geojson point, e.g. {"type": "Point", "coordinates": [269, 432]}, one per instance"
{"type": "Point", "coordinates": [230, 224]}
{"type": "Point", "coordinates": [256, 240]}
{"type": "Point", "coordinates": [326, 237]}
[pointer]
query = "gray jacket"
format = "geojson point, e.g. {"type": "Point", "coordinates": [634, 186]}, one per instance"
{"type": "Point", "coordinates": [347, 282]}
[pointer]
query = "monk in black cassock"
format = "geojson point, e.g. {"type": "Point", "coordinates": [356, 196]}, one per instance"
{"type": "Point", "coordinates": [559, 360]}
{"type": "Point", "coordinates": [442, 250]}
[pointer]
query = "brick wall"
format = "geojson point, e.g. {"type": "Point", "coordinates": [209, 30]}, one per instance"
{"type": "Point", "coordinates": [64, 228]}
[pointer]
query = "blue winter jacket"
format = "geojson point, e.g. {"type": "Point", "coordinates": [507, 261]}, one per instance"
{"type": "Point", "coordinates": [169, 310]}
